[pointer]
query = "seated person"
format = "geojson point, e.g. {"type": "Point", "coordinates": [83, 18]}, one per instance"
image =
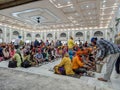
{"type": "Point", "coordinates": [50, 56]}
{"type": "Point", "coordinates": [27, 58]}
{"type": "Point", "coordinates": [6, 54]}
{"type": "Point", "coordinates": [18, 57]}
{"type": "Point", "coordinates": [77, 64]}
{"type": "Point", "coordinates": [12, 52]}
{"type": "Point", "coordinates": [1, 53]}
{"type": "Point", "coordinates": [45, 55]}
{"type": "Point", "coordinates": [27, 62]}
{"type": "Point", "coordinates": [88, 58]}
{"type": "Point", "coordinates": [64, 50]}
{"type": "Point", "coordinates": [66, 65]}
{"type": "Point", "coordinates": [38, 57]}
{"type": "Point", "coordinates": [32, 59]}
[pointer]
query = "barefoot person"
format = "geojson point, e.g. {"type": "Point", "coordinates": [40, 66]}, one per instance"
{"type": "Point", "coordinates": [109, 52]}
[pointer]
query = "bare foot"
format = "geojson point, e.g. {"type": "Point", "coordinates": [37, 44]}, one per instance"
{"type": "Point", "coordinates": [102, 79]}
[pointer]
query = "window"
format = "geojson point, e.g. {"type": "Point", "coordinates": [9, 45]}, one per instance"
{"type": "Point", "coordinates": [37, 35]}
{"type": "Point", "coordinates": [79, 34]}
{"type": "Point", "coordinates": [49, 35]}
{"type": "Point", "coordinates": [63, 35]}
{"type": "Point", "coordinates": [28, 35]}
{"type": "Point", "coordinates": [98, 33]}
{"type": "Point", "coordinates": [16, 33]}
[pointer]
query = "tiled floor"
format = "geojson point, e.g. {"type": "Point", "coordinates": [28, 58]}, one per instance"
{"type": "Point", "coordinates": [93, 82]}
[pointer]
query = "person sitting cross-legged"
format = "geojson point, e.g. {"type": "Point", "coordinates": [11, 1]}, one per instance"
{"type": "Point", "coordinates": [38, 57]}
{"type": "Point", "coordinates": [6, 54]}
{"type": "Point", "coordinates": [77, 64]}
{"type": "Point", "coordinates": [18, 58]}
{"type": "Point", "coordinates": [65, 66]}
{"type": "Point", "coordinates": [27, 62]}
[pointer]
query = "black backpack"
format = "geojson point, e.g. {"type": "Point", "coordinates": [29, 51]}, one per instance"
{"type": "Point", "coordinates": [26, 64]}
{"type": "Point", "coordinates": [12, 64]}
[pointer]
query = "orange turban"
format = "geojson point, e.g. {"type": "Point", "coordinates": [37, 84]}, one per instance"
{"type": "Point", "coordinates": [79, 52]}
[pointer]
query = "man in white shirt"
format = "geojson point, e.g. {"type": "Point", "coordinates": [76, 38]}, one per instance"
{"type": "Point", "coordinates": [16, 43]}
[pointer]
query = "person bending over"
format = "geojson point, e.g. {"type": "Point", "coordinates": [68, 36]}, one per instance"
{"type": "Point", "coordinates": [109, 52]}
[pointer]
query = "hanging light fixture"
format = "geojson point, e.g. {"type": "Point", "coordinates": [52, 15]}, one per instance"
{"type": "Point", "coordinates": [38, 19]}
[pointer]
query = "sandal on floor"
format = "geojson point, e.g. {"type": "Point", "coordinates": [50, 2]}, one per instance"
{"type": "Point", "coordinates": [102, 79]}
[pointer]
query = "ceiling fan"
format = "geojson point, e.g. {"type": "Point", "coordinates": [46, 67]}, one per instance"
{"type": "Point", "coordinates": [38, 19]}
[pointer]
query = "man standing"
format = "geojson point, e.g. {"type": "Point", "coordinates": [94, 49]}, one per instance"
{"type": "Point", "coordinates": [16, 43]}
{"type": "Point", "coordinates": [36, 43]}
{"type": "Point", "coordinates": [109, 52]}
{"type": "Point", "coordinates": [47, 43]}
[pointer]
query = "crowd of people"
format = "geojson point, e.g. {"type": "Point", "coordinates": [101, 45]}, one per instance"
{"type": "Point", "coordinates": [30, 54]}
{"type": "Point", "coordinates": [84, 57]}
{"type": "Point", "coordinates": [77, 58]}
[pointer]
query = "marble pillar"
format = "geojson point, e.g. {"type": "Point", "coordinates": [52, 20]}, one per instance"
{"type": "Point", "coordinates": [45, 36]}
{"type": "Point", "coordinates": [91, 34]}
{"type": "Point", "coordinates": [73, 35]}
{"type": "Point", "coordinates": [10, 32]}
{"type": "Point", "coordinates": [41, 35]}
{"type": "Point", "coordinates": [106, 34]}
{"type": "Point", "coordinates": [4, 38]}
{"type": "Point", "coordinates": [68, 34]}
{"type": "Point", "coordinates": [54, 36]}
{"type": "Point", "coordinates": [24, 36]}
{"type": "Point", "coordinates": [33, 36]}
{"type": "Point", "coordinates": [85, 36]}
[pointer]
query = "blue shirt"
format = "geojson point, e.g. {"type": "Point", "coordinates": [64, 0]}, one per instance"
{"type": "Point", "coordinates": [39, 56]}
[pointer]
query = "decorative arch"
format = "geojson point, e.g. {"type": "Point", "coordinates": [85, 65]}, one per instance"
{"type": "Point", "coordinates": [79, 34]}
{"type": "Point", "coordinates": [63, 35]}
{"type": "Point", "coordinates": [49, 35]}
{"type": "Point", "coordinates": [16, 33]}
{"type": "Point", "coordinates": [28, 35]}
{"type": "Point", "coordinates": [98, 33]}
{"type": "Point", "coordinates": [37, 35]}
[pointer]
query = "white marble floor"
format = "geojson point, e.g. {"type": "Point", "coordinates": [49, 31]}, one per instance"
{"type": "Point", "coordinates": [88, 81]}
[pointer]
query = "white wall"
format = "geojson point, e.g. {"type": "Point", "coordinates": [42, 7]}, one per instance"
{"type": "Point", "coordinates": [8, 36]}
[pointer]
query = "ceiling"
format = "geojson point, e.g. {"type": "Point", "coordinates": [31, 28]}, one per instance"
{"type": "Point", "coordinates": [12, 3]}
{"type": "Point", "coordinates": [5, 1]}
{"type": "Point", "coordinates": [59, 14]}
